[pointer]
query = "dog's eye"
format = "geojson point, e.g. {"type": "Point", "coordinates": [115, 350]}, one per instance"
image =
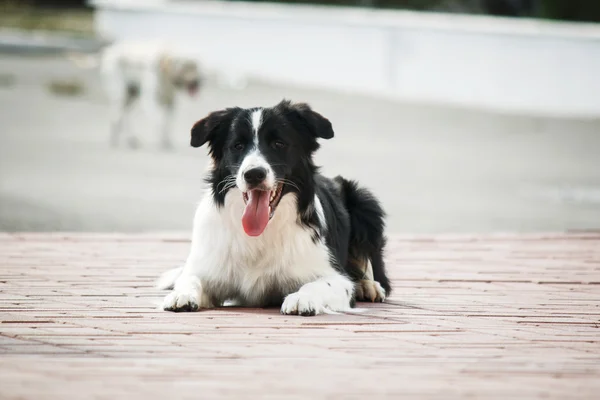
{"type": "Point", "coordinates": [238, 146]}
{"type": "Point", "coordinates": [278, 144]}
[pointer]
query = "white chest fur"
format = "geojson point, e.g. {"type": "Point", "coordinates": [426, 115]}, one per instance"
{"type": "Point", "coordinates": [234, 266]}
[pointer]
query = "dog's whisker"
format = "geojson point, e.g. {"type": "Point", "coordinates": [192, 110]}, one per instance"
{"type": "Point", "coordinates": [226, 181]}
{"type": "Point", "coordinates": [227, 186]}
{"type": "Point", "coordinates": [288, 182]}
{"type": "Point", "coordinates": [223, 182]}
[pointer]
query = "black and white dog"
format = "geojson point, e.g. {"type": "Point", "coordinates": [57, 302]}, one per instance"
{"type": "Point", "coordinates": [273, 231]}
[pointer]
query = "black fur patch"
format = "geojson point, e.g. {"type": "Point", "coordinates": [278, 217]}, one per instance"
{"type": "Point", "coordinates": [349, 220]}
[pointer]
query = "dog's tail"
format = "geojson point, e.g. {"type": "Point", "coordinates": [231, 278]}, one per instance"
{"type": "Point", "coordinates": [367, 239]}
{"type": "Point", "coordinates": [167, 280]}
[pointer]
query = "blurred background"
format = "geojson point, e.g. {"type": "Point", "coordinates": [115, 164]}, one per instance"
{"type": "Point", "coordinates": [462, 115]}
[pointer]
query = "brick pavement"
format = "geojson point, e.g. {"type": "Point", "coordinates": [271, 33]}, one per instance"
{"type": "Point", "coordinates": [500, 316]}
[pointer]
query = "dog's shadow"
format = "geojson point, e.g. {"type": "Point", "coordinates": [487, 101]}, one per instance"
{"type": "Point", "coordinates": [361, 309]}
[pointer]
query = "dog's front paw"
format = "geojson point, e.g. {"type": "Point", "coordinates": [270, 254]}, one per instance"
{"type": "Point", "coordinates": [179, 301]}
{"type": "Point", "coordinates": [368, 290]}
{"type": "Point", "coordinates": [302, 303]}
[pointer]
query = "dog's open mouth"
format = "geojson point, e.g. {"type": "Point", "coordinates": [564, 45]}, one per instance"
{"type": "Point", "coordinates": [260, 208]}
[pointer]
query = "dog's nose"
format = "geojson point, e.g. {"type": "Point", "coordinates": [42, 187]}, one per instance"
{"type": "Point", "coordinates": [255, 176]}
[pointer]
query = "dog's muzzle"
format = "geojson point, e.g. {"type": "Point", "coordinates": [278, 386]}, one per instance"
{"type": "Point", "coordinates": [193, 86]}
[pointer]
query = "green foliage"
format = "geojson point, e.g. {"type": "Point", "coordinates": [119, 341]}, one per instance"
{"type": "Point", "coordinates": [66, 87]}
{"type": "Point", "coordinates": [573, 10]}
{"type": "Point", "coordinates": [22, 15]}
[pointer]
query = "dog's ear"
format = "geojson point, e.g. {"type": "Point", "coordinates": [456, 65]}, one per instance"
{"type": "Point", "coordinates": [204, 128]}
{"type": "Point", "coordinates": [213, 129]}
{"type": "Point", "coordinates": [310, 120]}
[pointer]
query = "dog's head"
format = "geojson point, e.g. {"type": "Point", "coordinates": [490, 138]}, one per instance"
{"type": "Point", "coordinates": [264, 152]}
{"type": "Point", "coordinates": [183, 73]}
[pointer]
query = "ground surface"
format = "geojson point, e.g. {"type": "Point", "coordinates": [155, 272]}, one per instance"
{"type": "Point", "coordinates": [499, 316]}
{"type": "Point", "coordinates": [435, 169]}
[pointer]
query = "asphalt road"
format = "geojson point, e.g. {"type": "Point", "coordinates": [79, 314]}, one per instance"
{"type": "Point", "coordinates": [436, 169]}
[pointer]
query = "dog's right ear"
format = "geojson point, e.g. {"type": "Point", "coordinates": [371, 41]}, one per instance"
{"type": "Point", "coordinates": [200, 132]}
{"type": "Point", "coordinates": [212, 128]}
{"type": "Point", "coordinates": [205, 129]}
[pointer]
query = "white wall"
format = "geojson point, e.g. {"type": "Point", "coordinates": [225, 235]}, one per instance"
{"type": "Point", "coordinates": [502, 64]}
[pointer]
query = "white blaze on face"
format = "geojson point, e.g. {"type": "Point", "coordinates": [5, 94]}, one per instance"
{"type": "Point", "coordinates": [256, 120]}
{"type": "Point", "coordinates": [254, 158]}
{"type": "Point", "coordinates": [257, 211]}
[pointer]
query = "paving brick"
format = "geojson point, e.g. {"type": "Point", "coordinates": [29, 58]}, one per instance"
{"type": "Point", "coordinates": [493, 316]}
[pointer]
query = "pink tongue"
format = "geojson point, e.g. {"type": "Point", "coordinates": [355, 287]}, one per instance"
{"type": "Point", "coordinates": [256, 214]}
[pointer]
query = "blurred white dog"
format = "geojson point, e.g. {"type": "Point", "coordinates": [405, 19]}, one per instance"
{"type": "Point", "coordinates": [146, 77]}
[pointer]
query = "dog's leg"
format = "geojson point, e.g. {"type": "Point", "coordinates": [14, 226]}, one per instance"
{"type": "Point", "coordinates": [150, 102]}
{"type": "Point", "coordinates": [116, 128]}
{"type": "Point", "coordinates": [328, 294]}
{"type": "Point", "coordinates": [167, 118]}
{"type": "Point", "coordinates": [117, 110]}
{"type": "Point", "coordinates": [121, 109]}
{"type": "Point", "coordinates": [368, 289]}
{"type": "Point", "coordinates": [121, 95]}
{"type": "Point", "coordinates": [132, 104]}
{"type": "Point", "coordinates": [187, 295]}
{"type": "Point", "coordinates": [189, 292]}
{"type": "Point", "coordinates": [119, 123]}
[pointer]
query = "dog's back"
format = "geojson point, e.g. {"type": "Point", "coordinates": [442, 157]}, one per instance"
{"type": "Point", "coordinates": [125, 64]}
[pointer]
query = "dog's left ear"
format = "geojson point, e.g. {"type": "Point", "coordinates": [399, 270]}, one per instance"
{"type": "Point", "coordinates": [314, 122]}
{"type": "Point", "coordinates": [213, 129]}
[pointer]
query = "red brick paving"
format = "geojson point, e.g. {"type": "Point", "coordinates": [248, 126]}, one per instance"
{"type": "Point", "coordinates": [501, 316]}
